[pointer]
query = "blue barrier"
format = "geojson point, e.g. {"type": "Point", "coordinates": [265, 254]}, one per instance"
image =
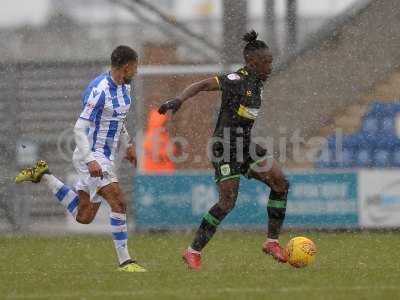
{"type": "Point", "coordinates": [316, 200]}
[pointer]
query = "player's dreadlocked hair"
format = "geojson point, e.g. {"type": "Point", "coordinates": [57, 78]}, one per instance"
{"type": "Point", "coordinates": [122, 55]}
{"type": "Point", "coordinates": [252, 43]}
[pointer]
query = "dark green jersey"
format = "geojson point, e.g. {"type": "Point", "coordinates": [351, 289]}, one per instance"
{"type": "Point", "coordinates": [240, 104]}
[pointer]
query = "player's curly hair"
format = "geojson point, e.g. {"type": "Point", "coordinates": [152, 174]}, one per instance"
{"type": "Point", "coordinates": [252, 43]}
{"type": "Point", "coordinates": [122, 55]}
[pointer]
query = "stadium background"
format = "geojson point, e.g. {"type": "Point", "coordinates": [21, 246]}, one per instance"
{"type": "Point", "coordinates": [322, 83]}
{"type": "Point", "coordinates": [336, 71]}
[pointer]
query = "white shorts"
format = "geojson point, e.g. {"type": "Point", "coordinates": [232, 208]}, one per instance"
{"type": "Point", "coordinates": [90, 184]}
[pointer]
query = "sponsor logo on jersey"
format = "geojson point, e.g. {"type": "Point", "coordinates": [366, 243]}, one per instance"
{"type": "Point", "coordinates": [248, 113]}
{"type": "Point", "coordinates": [233, 76]}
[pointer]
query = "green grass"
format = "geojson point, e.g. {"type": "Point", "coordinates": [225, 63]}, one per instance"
{"type": "Point", "coordinates": [348, 266]}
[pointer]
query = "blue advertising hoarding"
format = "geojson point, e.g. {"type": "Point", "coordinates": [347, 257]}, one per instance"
{"type": "Point", "coordinates": [316, 200]}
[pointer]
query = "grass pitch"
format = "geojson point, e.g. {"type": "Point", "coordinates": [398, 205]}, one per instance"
{"type": "Point", "coordinates": [348, 266]}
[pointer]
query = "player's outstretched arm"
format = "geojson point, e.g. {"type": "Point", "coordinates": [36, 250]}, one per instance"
{"type": "Point", "coordinates": [209, 84]}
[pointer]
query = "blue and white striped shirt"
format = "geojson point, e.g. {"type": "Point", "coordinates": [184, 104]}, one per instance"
{"type": "Point", "coordinates": [106, 105]}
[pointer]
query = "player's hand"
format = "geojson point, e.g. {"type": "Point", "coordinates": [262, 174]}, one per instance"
{"type": "Point", "coordinates": [171, 104]}
{"type": "Point", "coordinates": [95, 169]}
{"type": "Point", "coordinates": [131, 155]}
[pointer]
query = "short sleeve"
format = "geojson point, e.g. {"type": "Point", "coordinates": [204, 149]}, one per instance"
{"type": "Point", "coordinates": [92, 104]}
{"type": "Point", "coordinates": [232, 82]}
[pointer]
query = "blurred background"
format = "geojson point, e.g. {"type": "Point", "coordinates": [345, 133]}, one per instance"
{"type": "Point", "coordinates": [335, 88]}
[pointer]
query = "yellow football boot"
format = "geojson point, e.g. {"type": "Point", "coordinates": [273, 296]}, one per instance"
{"type": "Point", "coordinates": [131, 266]}
{"type": "Point", "coordinates": [33, 174]}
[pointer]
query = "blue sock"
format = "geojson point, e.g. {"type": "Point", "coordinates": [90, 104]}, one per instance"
{"type": "Point", "coordinates": [64, 194]}
{"type": "Point", "coordinates": [120, 236]}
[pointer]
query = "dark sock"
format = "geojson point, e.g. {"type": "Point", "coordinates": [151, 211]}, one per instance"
{"type": "Point", "coordinates": [208, 227]}
{"type": "Point", "coordinates": [276, 209]}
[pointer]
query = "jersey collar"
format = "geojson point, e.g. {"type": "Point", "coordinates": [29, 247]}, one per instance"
{"type": "Point", "coordinates": [249, 74]}
{"type": "Point", "coordinates": [111, 81]}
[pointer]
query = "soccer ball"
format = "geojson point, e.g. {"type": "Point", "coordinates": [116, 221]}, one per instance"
{"type": "Point", "coordinates": [301, 252]}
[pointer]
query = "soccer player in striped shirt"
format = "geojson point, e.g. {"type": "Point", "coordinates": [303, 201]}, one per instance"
{"type": "Point", "coordinates": [99, 131]}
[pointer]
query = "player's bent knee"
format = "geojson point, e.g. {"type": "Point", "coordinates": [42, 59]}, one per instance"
{"type": "Point", "coordinates": [86, 214]}
{"type": "Point", "coordinates": [283, 186]}
{"type": "Point", "coordinates": [85, 219]}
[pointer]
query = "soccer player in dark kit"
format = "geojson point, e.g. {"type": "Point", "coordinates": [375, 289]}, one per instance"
{"type": "Point", "coordinates": [233, 153]}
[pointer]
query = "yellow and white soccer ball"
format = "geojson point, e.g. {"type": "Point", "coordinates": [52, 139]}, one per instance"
{"type": "Point", "coordinates": [301, 252]}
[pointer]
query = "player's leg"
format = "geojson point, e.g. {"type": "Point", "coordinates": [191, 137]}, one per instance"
{"type": "Point", "coordinates": [87, 210]}
{"type": "Point", "coordinates": [269, 172]}
{"type": "Point", "coordinates": [78, 205]}
{"type": "Point", "coordinates": [228, 192]}
{"type": "Point", "coordinates": [113, 194]}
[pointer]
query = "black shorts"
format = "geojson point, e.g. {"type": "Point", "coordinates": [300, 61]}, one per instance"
{"type": "Point", "coordinates": [236, 162]}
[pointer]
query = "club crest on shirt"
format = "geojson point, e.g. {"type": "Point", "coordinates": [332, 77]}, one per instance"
{"type": "Point", "coordinates": [225, 170]}
{"type": "Point", "coordinates": [95, 93]}
{"type": "Point", "coordinates": [233, 76]}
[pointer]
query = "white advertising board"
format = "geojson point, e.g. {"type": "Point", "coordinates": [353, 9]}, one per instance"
{"type": "Point", "coordinates": [379, 198]}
